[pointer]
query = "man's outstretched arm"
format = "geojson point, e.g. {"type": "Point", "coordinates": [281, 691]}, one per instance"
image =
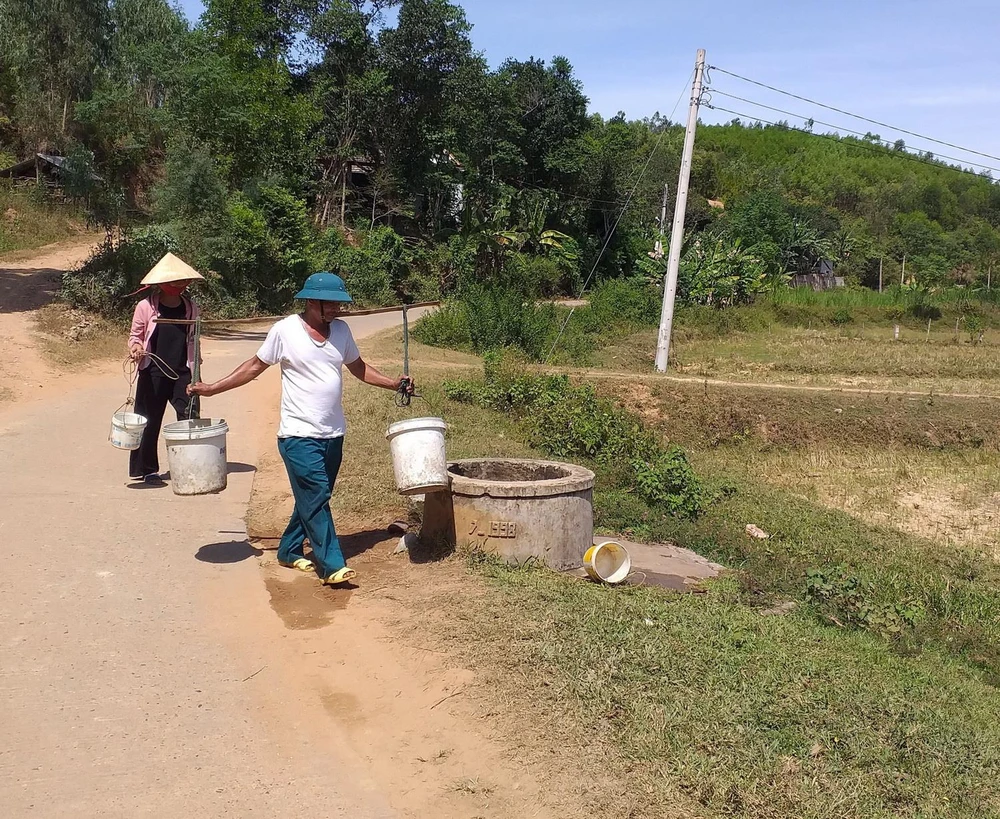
{"type": "Point", "coordinates": [244, 374]}
{"type": "Point", "coordinates": [367, 373]}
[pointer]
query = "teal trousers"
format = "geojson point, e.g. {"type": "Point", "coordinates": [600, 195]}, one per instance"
{"type": "Point", "coordinates": [312, 465]}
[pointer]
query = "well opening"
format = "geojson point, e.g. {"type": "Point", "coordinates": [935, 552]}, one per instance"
{"type": "Point", "coordinates": [509, 471]}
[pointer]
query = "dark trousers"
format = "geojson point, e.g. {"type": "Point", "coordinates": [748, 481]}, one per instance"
{"type": "Point", "coordinates": [153, 391]}
{"type": "Point", "coordinates": [312, 464]}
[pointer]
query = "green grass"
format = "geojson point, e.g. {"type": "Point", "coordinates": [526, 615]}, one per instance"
{"type": "Point", "coordinates": [29, 221]}
{"type": "Point", "coordinates": [703, 704]}
{"type": "Point", "coordinates": [747, 715]}
{"type": "Point", "coordinates": [726, 431]}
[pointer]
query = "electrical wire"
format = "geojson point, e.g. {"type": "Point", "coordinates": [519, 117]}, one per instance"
{"type": "Point", "coordinates": [560, 194]}
{"type": "Point", "coordinates": [830, 125]}
{"type": "Point", "coordinates": [614, 227]}
{"type": "Point", "coordinates": [879, 149]}
{"type": "Point", "coordinates": [854, 116]}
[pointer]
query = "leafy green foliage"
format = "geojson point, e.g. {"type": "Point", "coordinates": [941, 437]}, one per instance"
{"type": "Point", "coordinates": [114, 270]}
{"type": "Point", "coordinates": [487, 318]}
{"type": "Point", "coordinates": [721, 274]}
{"type": "Point", "coordinates": [567, 421]}
{"type": "Point", "coordinates": [619, 302]}
{"type": "Point", "coordinates": [850, 601]}
{"type": "Point", "coordinates": [669, 482]}
{"type": "Point", "coordinates": [440, 172]}
{"type": "Point", "coordinates": [372, 271]}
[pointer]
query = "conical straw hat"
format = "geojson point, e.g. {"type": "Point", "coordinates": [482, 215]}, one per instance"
{"type": "Point", "coordinates": [171, 269]}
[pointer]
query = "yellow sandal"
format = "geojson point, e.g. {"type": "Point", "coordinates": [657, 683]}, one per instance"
{"type": "Point", "coordinates": [301, 564]}
{"type": "Point", "coordinates": [342, 576]}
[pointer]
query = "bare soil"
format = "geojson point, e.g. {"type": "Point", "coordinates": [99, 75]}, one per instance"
{"type": "Point", "coordinates": [29, 282]}
{"type": "Point", "coordinates": [424, 721]}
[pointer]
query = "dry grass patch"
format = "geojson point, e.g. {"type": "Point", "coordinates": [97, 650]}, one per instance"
{"type": "Point", "coordinates": [849, 357]}
{"type": "Point", "coordinates": [73, 338]}
{"type": "Point", "coordinates": [28, 223]}
{"type": "Point", "coordinates": [951, 498]}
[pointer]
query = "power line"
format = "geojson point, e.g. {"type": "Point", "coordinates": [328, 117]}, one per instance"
{"type": "Point", "coordinates": [880, 149]}
{"type": "Point", "coordinates": [854, 116]}
{"type": "Point", "coordinates": [830, 125]}
{"type": "Point", "coordinates": [559, 194]}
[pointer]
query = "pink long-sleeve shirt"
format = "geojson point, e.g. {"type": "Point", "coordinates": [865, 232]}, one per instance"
{"type": "Point", "coordinates": [143, 326]}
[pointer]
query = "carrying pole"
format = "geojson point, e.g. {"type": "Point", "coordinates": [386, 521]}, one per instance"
{"type": "Point", "coordinates": [196, 364]}
{"type": "Point", "coordinates": [406, 345]}
{"type": "Point", "coordinates": [680, 208]}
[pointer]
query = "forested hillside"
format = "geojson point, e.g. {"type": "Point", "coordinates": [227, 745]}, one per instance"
{"type": "Point", "coordinates": [274, 138]}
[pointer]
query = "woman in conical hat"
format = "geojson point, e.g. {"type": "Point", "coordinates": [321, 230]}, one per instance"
{"type": "Point", "coordinates": [165, 356]}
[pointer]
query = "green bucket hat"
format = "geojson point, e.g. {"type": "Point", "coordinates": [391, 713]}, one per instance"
{"type": "Point", "coordinates": [324, 287]}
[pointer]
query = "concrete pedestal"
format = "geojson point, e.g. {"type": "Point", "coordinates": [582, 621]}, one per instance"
{"type": "Point", "coordinates": [521, 510]}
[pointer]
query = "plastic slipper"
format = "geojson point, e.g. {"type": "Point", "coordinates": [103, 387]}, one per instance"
{"type": "Point", "coordinates": [341, 576]}
{"type": "Point", "coordinates": [301, 564]}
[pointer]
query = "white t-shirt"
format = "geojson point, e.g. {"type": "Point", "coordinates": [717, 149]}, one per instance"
{"type": "Point", "coordinates": [311, 385]}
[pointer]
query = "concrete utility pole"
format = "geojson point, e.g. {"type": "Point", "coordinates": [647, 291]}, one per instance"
{"type": "Point", "coordinates": [680, 208]}
{"type": "Point", "coordinates": [658, 248]}
{"type": "Point", "coordinates": [902, 273]}
{"type": "Point", "coordinates": [880, 275]}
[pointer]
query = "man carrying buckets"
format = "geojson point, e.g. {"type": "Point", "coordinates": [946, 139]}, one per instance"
{"type": "Point", "coordinates": [311, 347]}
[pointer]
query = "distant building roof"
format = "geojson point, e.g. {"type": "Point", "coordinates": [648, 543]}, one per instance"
{"type": "Point", "coordinates": [39, 161]}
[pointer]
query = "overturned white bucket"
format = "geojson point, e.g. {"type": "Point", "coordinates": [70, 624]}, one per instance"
{"type": "Point", "coordinates": [196, 454]}
{"type": "Point", "coordinates": [127, 429]}
{"type": "Point", "coordinates": [418, 457]}
{"type": "Point", "coordinates": [608, 561]}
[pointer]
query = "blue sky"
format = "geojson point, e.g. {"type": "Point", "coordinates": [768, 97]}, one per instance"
{"type": "Point", "coordinates": [930, 67]}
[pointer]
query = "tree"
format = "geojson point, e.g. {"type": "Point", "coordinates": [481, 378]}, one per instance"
{"type": "Point", "coordinates": [420, 57]}
{"type": "Point", "coordinates": [52, 49]}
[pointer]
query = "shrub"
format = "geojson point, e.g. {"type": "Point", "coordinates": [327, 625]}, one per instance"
{"type": "Point", "coordinates": [625, 301]}
{"type": "Point", "coordinates": [263, 249]}
{"type": "Point", "coordinates": [669, 481]}
{"type": "Point", "coordinates": [490, 318]}
{"type": "Point", "coordinates": [539, 276]}
{"type": "Point", "coordinates": [569, 421]}
{"type": "Point", "coordinates": [446, 327]}
{"type": "Point", "coordinates": [114, 270]}
{"type": "Point", "coordinates": [501, 317]}
{"type": "Point", "coordinates": [372, 271]}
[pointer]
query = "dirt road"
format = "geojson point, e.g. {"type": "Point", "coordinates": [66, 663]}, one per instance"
{"type": "Point", "coordinates": [153, 662]}
{"type": "Point", "coordinates": [25, 285]}
{"type": "Point", "coordinates": [118, 697]}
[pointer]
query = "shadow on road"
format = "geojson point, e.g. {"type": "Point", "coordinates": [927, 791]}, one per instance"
{"type": "Point", "coordinates": [22, 290]}
{"type": "Point", "coordinates": [230, 551]}
{"type": "Point", "coordinates": [357, 543]}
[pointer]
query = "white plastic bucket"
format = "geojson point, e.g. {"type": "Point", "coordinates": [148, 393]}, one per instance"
{"type": "Point", "coordinates": [418, 458]}
{"type": "Point", "coordinates": [196, 454]}
{"type": "Point", "coordinates": [608, 562]}
{"type": "Point", "coordinates": [127, 429]}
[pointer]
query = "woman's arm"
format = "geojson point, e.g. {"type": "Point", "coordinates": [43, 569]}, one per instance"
{"type": "Point", "coordinates": [137, 334]}
{"type": "Point", "coordinates": [244, 374]}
